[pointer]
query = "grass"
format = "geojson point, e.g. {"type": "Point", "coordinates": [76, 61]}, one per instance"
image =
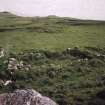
{"type": "Point", "coordinates": [52, 33]}
{"type": "Point", "coordinates": [66, 78]}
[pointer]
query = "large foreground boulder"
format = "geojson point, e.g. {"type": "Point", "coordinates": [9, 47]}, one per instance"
{"type": "Point", "coordinates": [25, 97]}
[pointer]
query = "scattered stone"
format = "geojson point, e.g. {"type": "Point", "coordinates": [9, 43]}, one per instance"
{"type": "Point", "coordinates": [27, 67]}
{"type": "Point", "coordinates": [2, 52]}
{"type": "Point", "coordinates": [12, 64]}
{"type": "Point", "coordinates": [68, 50]}
{"type": "Point", "coordinates": [7, 82]}
{"type": "Point", "coordinates": [1, 82]}
{"type": "Point", "coordinates": [20, 65]}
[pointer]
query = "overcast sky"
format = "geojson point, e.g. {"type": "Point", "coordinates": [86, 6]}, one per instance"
{"type": "Point", "coordinates": [86, 9]}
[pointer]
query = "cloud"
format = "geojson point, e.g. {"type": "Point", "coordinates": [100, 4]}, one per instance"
{"type": "Point", "coordinates": [91, 9]}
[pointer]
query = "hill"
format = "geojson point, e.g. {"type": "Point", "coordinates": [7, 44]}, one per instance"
{"type": "Point", "coordinates": [52, 32]}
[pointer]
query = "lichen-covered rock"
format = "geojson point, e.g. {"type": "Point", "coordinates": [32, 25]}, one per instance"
{"type": "Point", "coordinates": [25, 97]}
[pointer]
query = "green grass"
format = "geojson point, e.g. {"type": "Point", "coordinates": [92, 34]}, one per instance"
{"type": "Point", "coordinates": [52, 33]}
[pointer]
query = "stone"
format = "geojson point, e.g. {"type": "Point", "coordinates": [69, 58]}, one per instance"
{"type": "Point", "coordinates": [12, 64]}
{"type": "Point", "coordinates": [20, 65]}
{"type": "Point", "coordinates": [25, 97]}
{"type": "Point", "coordinates": [7, 82]}
{"type": "Point", "coordinates": [2, 52]}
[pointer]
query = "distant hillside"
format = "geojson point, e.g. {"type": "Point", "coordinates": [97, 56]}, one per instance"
{"type": "Point", "coordinates": [52, 32]}
{"type": "Point", "coordinates": [7, 14]}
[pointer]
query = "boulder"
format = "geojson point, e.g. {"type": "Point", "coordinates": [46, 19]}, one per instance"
{"type": "Point", "coordinates": [25, 97]}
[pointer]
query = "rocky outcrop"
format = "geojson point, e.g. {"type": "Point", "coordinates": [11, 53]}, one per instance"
{"type": "Point", "coordinates": [25, 97]}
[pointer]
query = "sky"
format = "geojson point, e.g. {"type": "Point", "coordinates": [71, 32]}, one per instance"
{"type": "Point", "coordinates": [85, 9]}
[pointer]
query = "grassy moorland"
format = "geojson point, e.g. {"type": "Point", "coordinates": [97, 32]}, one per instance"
{"type": "Point", "coordinates": [73, 77]}
{"type": "Point", "coordinates": [52, 33]}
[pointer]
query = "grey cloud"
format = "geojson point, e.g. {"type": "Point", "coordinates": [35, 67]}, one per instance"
{"type": "Point", "coordinates": [86, 9]}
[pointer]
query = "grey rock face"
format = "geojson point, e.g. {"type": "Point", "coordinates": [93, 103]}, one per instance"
{"type": "Point", "coordinates": [25, 97]}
